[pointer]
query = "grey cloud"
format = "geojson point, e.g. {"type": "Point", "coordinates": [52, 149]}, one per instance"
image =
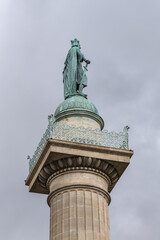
{"type": "Point", "coordinates": [121, 38]}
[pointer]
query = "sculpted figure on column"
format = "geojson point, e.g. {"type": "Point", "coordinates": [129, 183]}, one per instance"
{"type": "Point", "coordinates": [74, 76]}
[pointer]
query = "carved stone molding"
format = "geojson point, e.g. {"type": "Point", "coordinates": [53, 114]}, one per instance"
{"type": "Point", "coordinates": [60, 166]}
{"type": "Point", "coordinates": [77, 170]}
{"type": "Point", "coordinates": [90, 188]}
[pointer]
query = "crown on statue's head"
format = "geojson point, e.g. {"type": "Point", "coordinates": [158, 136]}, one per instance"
{"type": "Point", "coordinates": [75, 42]}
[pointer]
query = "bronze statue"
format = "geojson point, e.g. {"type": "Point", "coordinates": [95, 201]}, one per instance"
{"type": "Point", "coordinates": [74, 76]}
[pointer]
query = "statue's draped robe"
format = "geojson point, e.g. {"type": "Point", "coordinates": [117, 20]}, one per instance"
{"type": "Point", "coordinates": [73, 73]}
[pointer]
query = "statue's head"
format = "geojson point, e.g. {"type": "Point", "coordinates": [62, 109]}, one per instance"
{"type": "Point", "coordinates": [75, 43]}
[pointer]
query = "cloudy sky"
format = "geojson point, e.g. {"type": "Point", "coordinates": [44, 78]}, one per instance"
{"type": "Point", "coordinates": [122, 40]}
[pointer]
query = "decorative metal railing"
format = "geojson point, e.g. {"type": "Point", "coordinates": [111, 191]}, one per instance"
{"type": "Point", "coordinates": [48, 134]}
{"type": "Point", "coordinates": [81, 135]}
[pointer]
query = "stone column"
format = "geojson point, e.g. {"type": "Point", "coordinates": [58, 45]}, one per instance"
{"type": "Point", "coordinates": [78, 178]}
{"type": "Point", "coordinates": [79, 201]}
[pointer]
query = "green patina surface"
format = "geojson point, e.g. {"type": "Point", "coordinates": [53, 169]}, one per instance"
{"type": "Point", "coordinates": [76, 102]}
{"type": "Point", "coordinates": [74, 75]}
{"type": "Point", "coordinates": [80, 135]}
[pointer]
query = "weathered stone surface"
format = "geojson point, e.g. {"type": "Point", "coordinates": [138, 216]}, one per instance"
{"type": "Point", "coordinates": [55, 150]}
{"type": "Point", "coordinates": [78, 178]}
{"type": "Point", "coordinates": [79, 214]}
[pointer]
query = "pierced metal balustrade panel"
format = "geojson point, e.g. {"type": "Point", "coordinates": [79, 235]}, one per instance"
{"type": "Point", "coordinates": [80, 134]}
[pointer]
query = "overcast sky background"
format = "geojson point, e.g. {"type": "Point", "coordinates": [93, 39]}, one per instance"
{"type": "Point", "coordinates": [122, 40]}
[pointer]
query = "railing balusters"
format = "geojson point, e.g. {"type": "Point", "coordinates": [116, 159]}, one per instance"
{"type": "Point", "coordinates": [82, 135]}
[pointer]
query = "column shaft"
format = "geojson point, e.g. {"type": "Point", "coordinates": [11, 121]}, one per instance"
{"type": "Point", "coordinates": [79, 212]}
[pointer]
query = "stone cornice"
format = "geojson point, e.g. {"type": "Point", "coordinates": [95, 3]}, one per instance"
{"type": "Point", "coordinates": [102, 149]}
{"type": "Point", "coordinates": [58, 149]}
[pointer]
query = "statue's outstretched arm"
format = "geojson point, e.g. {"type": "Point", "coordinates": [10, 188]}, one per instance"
{"type": "Point", "coordinates": [82, 57]}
